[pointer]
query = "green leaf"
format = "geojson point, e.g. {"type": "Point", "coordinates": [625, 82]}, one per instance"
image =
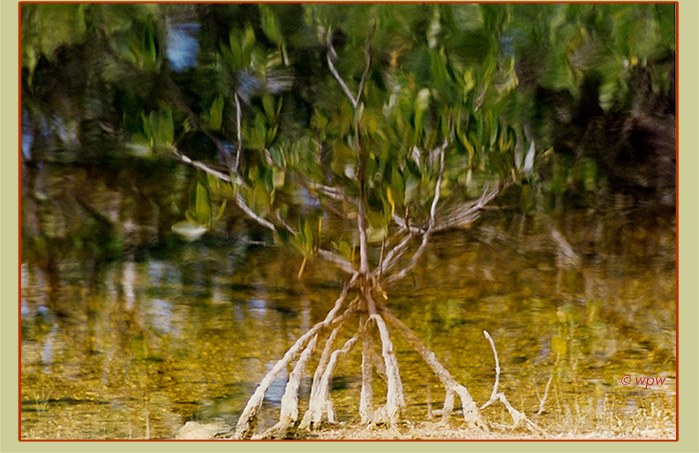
{"type": "Point", "coordinates": [216, 113]}
{"type": "Point", "coordinates": [260, 131]}
{"type": "Point", "coordinates": [261, 195]}
{"type": "Point", "coordinates": [589, 173]}
{"type": "Point", "coordinates": [268, 21]}
{"type": "Point", "coordinates": [375, 235]}
{"type": "Point", "coordinates": [221, 210]}
{"type": "Point", "coordinates": [278, 177]}
{"type": "Point", "coordinates": [376, 218]}
{"type": "Point", "coordinates": [397, 187]}
{"type": "Point", "coordinates": [277, 155]}
{"type": "Point", "coordinates": [411, 188]}
{"type": "Point", "coordinates": [166, 127]}
{"type": "Point", "coordinates": [241, 44]}
{"type": "Point", "coordinates": [202, 207]}
{"type": "Point", "coordinates": [268, 105]}
{"type": "Point", "coordinates": [345, 249]}
{"type": "Point", "coordinates": [422, 101]}
{"type": "Point", "coordinates": [308, 235]}
{"type": "Point", "coordinates": [559, 345]}
{"type": "Point", "coordinates": [438, 70]}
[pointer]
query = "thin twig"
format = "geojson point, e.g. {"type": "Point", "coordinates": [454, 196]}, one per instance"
{"type": "Point", "coordinates": [542, 401]}
{"type": "Point", "coordinates": [337, 260]}
{"type": "Point", "coordinates": [262, 221]}
{"type": "Point", "coordinates": [463, 215]}
{"type": "Point", "coordinates": [329, 191]}
{"type": "Point", "coordinates": [339, 79]}
{"type": "Point", "coordinates": [367, 51]}
{"type": "Point", "coordinates": [334, 258]}
{"type": "Point", "coordinates": [238, 120]}
{"type": "Point", "coordinates": [367, 57]}
{"type": "Point", "coordinates": [361, 215]}
{"type": "Point", "coordinates": [393, 255]}
{"type": "Point", "coordinates": [192, 117]}
{"type": "Point", "coordinates": [426, 235]}
{"type": "Point", "coordinates": [200, 165]}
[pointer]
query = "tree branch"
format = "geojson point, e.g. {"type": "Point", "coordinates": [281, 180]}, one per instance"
{"type": "Point", "coordinates": [367, 51]}
{"type": "Point", "coordinates": [177, 95]}
{"type": "Point", "coordinates": [339, 79]}
{"type": "Point", "coordinates": [361, 214]}
{"type": "Point", "coordinates": [339, 261]}
{"type": "Point", "coordinates": [238, 120]}
{"type": "Point", "coordinates": [200, 165]}
{"type": "Point", "coordinates": [367, 56]}
{"type": "Point", "coordinates": [464, 214]}
{"type": "Point", "coordinates": [393, 256]}
{"type": "Point", "coordinates": [426, 235]}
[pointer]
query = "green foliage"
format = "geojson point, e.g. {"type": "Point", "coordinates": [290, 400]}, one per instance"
{"type": "Point", "coordinates": [156, 132]}
{"type": "Point", "coordinates": [45, 27]}
{"type": "Point", "coordinates": [468, 75]}
{"type": "Point", "coordinates": [216, 113]}
{"type": "Point", "coordinates": [202, 214]}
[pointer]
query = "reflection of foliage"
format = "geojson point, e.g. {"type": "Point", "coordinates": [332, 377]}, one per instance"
{"type": "Point", "coordinates": [592, 80]}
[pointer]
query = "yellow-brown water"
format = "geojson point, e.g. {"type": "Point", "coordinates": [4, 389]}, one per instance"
{"type": "Point", "coordinates": [128, 332]}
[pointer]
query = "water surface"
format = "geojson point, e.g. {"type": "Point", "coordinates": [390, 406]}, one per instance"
{"type": "Point", "coordinates": [128, 331]}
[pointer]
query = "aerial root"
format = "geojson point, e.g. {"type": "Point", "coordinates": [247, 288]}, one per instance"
{"type": "Point", "coordinates": [315, 409]}
{"type": "Point", "coordinates": [248, 419]}
{"type": "Point", "coordinates": [389, 413]}
{"type": "Point", "coordinates": [386, 365]}
{"type": "Point", "coordinates": [320, 392]}
{"type": "Point", "coordinates": [366, 395]}
{"type": "Point", "coordinates": [289, 412]}
{"type": "Point", "coordinates": [470, 410]}
{"type": "Point", "coordinates": [517, 416]}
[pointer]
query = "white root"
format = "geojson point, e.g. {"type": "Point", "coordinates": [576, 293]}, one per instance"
{"type": "Point", "coordinates": [322, 363]}
{"type": "Point", "coordinates": [289, 412]}
{"type": "Point", "coordinates": [395, 401]}
{"type": "Point", "coordinates": [470, 410]}
{"type": "Point", "coordinates": [366, 395]}
{"type": "Point", "coordinates": [542, 401]}
{"type": "Point", "coordinates": [321, 401]}
{"type": "Point", "coordinates": [248, 419]}
{"type": "Point", "coordinates": [517, 416]}
{"type": "Point", "coordinates": [316, 387]}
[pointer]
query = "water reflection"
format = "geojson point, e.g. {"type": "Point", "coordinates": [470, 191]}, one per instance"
{"type": "Point", "coordinates": [182, 45]}
{"type": "Point", "coordinates": [135, 342]}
